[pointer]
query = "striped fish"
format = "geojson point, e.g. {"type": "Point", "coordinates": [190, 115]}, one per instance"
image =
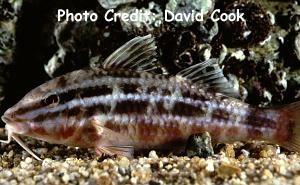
{"type": "Point", "coordinates": [124, 106]}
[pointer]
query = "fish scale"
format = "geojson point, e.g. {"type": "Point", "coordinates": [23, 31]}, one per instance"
{"type": "Point", "coordinates": [126, 106]}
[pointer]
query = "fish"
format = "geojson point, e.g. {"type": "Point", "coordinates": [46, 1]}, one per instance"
{"type": "Point", "coordinates": [126, 105]}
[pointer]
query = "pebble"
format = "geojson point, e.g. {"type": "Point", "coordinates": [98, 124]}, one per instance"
{"type": "Point", "coordinates": [168, 167]}
{"type": "Point", "coordinates": [267, 174]}
{"type": "Point", "coordinates": [282, 170]}
{"type": "Point", "coordinates": [28, 160]}
{"type": "Point", "coordinates": [133, 180]}
{"type": "Point", "coordinates": [229, 151]}
{"type": "Point", "coordinates": [10, 154]}
{"type": "Point", "coordinates": [227, 170]}
{"type": "Point", "coordinates": [297, 180]}
{"type": "Point", "coordinates": [251, 166]}
{"type": "Point", "coordinates": [210, 165]}
{"type": "Point", "coordinates": [124, 162]}
{"type": "Point", "coordinates": [153, 155]}
{"type": "Point", "coordinates": [246, 153]}
{"type": "Point", "coordinates": [66, 178]}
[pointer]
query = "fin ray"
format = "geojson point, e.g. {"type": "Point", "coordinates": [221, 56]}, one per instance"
{"type": "Point", "coordinates": [108, 139]}
{"type": "Point", "coordinates": [294, 142]}
{"type": "Point", "coordinates": [209, 76]}
{"type": "Point", "coordinates": [138, 54]}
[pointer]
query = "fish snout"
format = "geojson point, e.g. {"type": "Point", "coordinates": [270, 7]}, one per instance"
{"type": "Point", "coordinates": [13, 124]}
{"type": "Point", "coordinates": [8, 117]}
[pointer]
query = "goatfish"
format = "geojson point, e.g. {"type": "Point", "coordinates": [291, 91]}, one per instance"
{"type": "Point", "coordinates": [125, 106]}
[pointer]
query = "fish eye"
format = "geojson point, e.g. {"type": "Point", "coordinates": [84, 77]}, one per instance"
{"type": "Point", "coordinates": [50, 100]}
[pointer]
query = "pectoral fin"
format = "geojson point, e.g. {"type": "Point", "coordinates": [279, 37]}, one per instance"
{"type": "Point", "coordinates": [111, 142]}
{"type": "Point", "coordinates": [126, 151]}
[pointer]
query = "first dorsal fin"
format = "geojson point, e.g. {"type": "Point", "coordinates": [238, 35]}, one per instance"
{"type": "Point", "coordinates": [138, 54]}
{"type": "Point", "coordinates": [208, 75]}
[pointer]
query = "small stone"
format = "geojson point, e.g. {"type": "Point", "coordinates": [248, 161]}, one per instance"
{"type": "Point", "coordinates": [153, 155]}
{"type": "Point", "coordinates": [83, 171]}
{"type": "Point", "coordinates": [28, 160]}
{"type": "Point", "coordinates": [160, 164]}
{"type": "Point", "coordinates": [239, 55]}
{"type": "Point", "coordinates": [46, 163]}
{"type": "Point", "coordinates": [42, 150]}
{"type": "Point", "coordinates": [210, 165]}
{"type": "Point", "coordinates": [268, 151]}
{"type": "Point", "coordinates": [23, 164]}
{"type": "Point", "coordinates": [297, 180]}
{"type": "Point", "coordinates": [263, 154]}
{"type": "Point", "coordinates": [122, 171]}
{"type": "Point", "coordinates": [267, 174]}
{"type": "Point", "coordinates": [124, 162]}
{"type": "Point", "coordinates": [282, 170]}
{"type": "Point", "coordinates": [10, 154]}
{"type": "Point", "coordinates": [169, 167]}
{"type": "Point", "coordinates": [229, 151]}
{"type": "Point", "coordinates": [174, 171]}
{"type": "Point", "coordinates": [66, 178]}
{"type": "Point", "coordinates": [134, 180]}
{"type": "Point", "coordinates": [199, 145]}
{"type": "Point", "coordinates": [227, 170]}
{"type": "Point", "coordinates": [246, 153]}
{"type": "Point", "coordinates": [7, 173]}
{"type": "Point", "coordinates": [94, 163]}
{"type": "Point", "coordinates": [251, 166]}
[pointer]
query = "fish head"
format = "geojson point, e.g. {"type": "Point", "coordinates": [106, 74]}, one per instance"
{"type": "Point", "coordinates": [34, 109]}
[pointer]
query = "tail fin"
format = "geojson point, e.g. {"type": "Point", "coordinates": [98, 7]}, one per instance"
{"type": "Point", "coordinates": [293, 112]}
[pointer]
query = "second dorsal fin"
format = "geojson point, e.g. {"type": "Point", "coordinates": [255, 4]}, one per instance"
{"type": "Point", "coordinates": [138, 54]}
{"type": "Point", "coordinates": [208, 75]}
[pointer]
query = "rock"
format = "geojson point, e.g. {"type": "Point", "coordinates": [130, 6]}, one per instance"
{"type": "Point", "coordinates": [255, 29]}
{"type": "Point", "coordinates": [109, 4]}
{"type": "Point", "coordinates": [149, 23]}
{"type": "Point", "coordinates": [8, 18]}
{"type": "Point", "coordinates": [199, 145]}
{"type": "Point", "coordinates": [188, 6]}
{"type": "Point", "coordinates": [208, 30]}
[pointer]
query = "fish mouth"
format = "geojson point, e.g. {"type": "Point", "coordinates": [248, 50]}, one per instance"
{"type": "Point", "coordinates": [6, 119]}
{"type": "Point", "coordinates": [9, 116]}
{"type": "Point", "coordinates": [14, 126]}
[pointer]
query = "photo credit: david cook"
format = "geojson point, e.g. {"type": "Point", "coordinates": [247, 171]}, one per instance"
{"type": "Point", "coordinates": [139, 16]}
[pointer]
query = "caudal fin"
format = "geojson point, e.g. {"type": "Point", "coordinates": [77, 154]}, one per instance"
{"type": "Point", "coordinates": [293, 112]}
